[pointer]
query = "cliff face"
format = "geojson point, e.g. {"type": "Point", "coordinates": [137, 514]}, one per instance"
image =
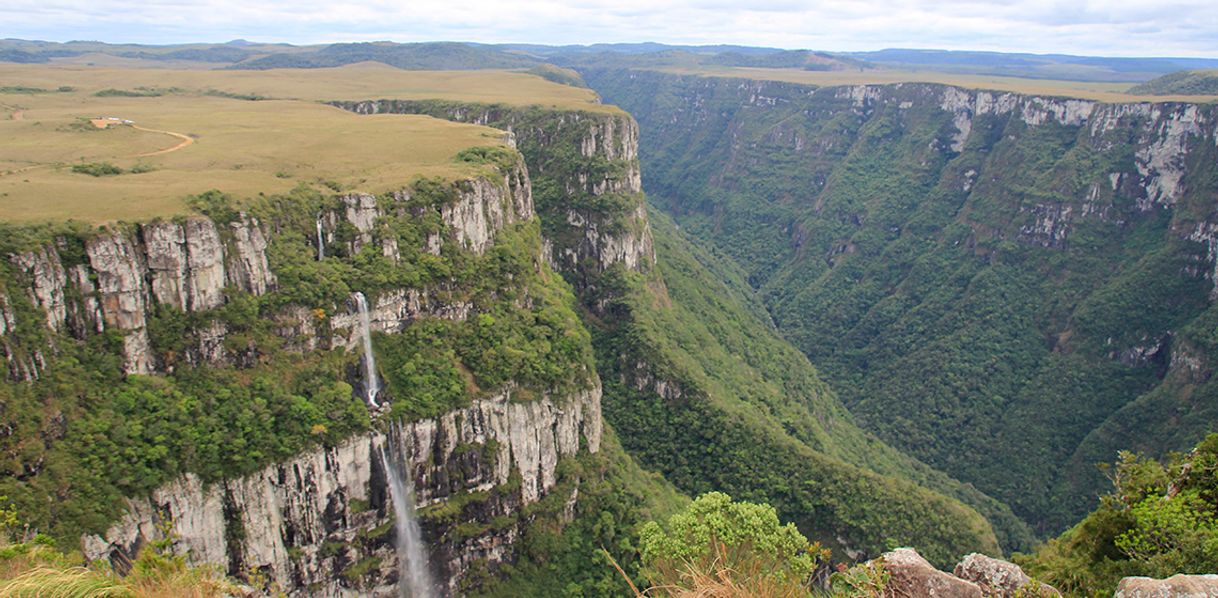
{"type": "Point", "coordinates": [320, 522]}
{"type": "Point", "coordinates": [307, 523]}
{"type": "Point", "coordinates": [188, 265]}
{"type": "Point", "coordinates": [586, 169]}
{"type": "Point", "coordinates": [1045, 264]}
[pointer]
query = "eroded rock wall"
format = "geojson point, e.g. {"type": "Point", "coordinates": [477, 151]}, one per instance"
{"type": "Point", "coordinates": [306, 522]}
{"type": "Point", "coordinates": [188, 264]}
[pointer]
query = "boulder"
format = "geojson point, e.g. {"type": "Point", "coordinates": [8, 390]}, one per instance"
{"type": "Point", "coordinates": [1000, 579]}
{"type": "Point", "coordinates": [1176, 586]}
{"type": "Point", "coordinates": [912, 575]}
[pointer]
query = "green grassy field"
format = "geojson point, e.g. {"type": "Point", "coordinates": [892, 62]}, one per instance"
{"type": "Point", "coordinates": [1103, 92]}
{"type": "Point", "coordinates": [240, 147]}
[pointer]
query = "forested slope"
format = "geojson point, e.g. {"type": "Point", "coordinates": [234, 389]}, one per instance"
{"type": "Point", "coordinates": [1002, 286]}
{"type": "Point", "coordinates": [700, 387]}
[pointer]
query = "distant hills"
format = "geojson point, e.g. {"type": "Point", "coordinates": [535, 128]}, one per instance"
{"type": "Point", "coordinates": [1040, 66]}
{"type": "Point", "coordinates": [1181, 83]}
{"type": "Point", "coordinates": [243, 54]}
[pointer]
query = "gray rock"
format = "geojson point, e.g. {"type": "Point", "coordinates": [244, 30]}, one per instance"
{"type": "Point", "coordinates": [120, 283]}
{"type": "Point", "coordinates": [248, 269]}
{"type": "Point", "coordinates": [1000, 579]}
{"type": "Point", "coordinates": [912, 575]}
{"type": "Point", "coordinates": [1176, 586]}
{"type": "Point", "coordinates": [47, 282]}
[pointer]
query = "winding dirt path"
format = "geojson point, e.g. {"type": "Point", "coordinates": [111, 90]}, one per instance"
{"type": "Point", "coordinates": [185, 141]}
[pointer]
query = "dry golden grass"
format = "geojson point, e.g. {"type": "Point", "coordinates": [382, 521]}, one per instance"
{"type": "Point", "coordinates": [1103, 92]}
{"type": "Point", "coordinates": [362, 81]}
{"type": "Point", "coordinates": [41, 572]}
{"type": "Point", "coordinates": [240, 147]}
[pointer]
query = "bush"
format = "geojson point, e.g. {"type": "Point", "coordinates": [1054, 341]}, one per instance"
{"type": "Point", "coordinates": [97, 169]}
{"type": "Point", "coordinates": [1159, 520]}
{"type": "Point", "coordinates": [718, 542]}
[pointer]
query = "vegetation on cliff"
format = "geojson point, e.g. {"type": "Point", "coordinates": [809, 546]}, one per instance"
{"type": "Point", "coordinates": [1160, 519]}
{"type": "Point", "coordinates": [32, 566]}
{"type": "Point", "coordinates": [700, 386]}
{"type": "Point", "coordinates": [703, 392]}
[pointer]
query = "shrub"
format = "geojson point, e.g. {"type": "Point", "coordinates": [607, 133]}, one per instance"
{"type": "Point", "coordinates": [97, 169]}
{"type": "Point", "coordinates": [718, 542]}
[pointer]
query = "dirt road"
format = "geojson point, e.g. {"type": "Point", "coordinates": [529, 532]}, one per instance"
{"type": "Point", "coordinates": [185, 141]}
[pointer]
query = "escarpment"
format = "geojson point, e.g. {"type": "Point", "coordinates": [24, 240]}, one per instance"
{"type": "Point", "coordinates": [189, 264]}
{"type": "Point", "coordinates": [1043, 264]}
{"type": "Point", "coordinates": [243, 320]}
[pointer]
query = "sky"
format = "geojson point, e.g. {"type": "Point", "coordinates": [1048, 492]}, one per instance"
{"type": "Point", "coordinates": [1087, 27]}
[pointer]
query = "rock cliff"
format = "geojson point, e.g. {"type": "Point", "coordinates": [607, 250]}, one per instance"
{"type": "Point", "coordinates": [190, 264]}
{"type": "Point", "coordinates": [306, 524]}
{"type": "Point", "coordinates": [320, 522]}
{"type": "Point", "coordinates": [586, 167]}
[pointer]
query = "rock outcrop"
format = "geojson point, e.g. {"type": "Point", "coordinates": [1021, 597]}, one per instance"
{"type": "Point", "coordinates": [120, 285]}
{"type": "Point", "coordinates": [1000, 579]}
{"type": "Point", "coordinates": [1176, 586]}
{"type": "Point", "coordinates": [912, 575]}
{"type": "Point", "coordinates": [976, 576]}
{"type": "Point", "coordinates": [305, 522]}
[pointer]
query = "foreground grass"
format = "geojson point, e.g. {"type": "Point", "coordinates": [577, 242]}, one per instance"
{"type": "Point", "coordinates": [37, 570]}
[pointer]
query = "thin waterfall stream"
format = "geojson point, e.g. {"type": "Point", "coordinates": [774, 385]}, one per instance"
{"type": "Point", "coordinates": [372, 384]}
{"type": "Point", "coordinates": [321, 240]}
{"type": "Point", "coordinates": [414, 575]}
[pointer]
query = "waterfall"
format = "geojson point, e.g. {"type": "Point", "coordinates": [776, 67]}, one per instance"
{"type": "Point", "coordinates": [372, 384]}
{"type": "Point", "coordinates": [414, 578]}
{"type": "Point", "coordinates": [321, 240]}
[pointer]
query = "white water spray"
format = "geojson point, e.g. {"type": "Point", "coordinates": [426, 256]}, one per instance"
{"type": "Point", "coordinates": [414, 576]}
{"type": "Point", "coordinates": [372, 384]}
{"type": "Point", "coordinates": [321, 240]}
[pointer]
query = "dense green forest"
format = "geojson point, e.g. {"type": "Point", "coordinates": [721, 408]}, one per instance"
{"type": "Point", "coordinates": [941, 284]}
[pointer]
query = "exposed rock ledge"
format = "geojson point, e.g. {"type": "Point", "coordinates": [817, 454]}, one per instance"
{"type": "Point", "coordinates": [303, 522]}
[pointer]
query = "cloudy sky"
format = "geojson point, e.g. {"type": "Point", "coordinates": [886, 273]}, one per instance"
{"type": "Point", "coordinates": [1094, 27]}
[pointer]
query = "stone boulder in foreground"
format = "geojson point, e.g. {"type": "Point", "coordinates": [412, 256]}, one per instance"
{"type": "Point", "coordinates": [1176, 586]}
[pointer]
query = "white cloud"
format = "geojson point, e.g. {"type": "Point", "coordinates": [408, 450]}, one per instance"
{"type": "Point", "coordinates": [1118, 27]}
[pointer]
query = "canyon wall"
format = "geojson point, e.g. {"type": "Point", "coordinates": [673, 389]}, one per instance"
{"type": "Point", "coordinates": [1045, 265]}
